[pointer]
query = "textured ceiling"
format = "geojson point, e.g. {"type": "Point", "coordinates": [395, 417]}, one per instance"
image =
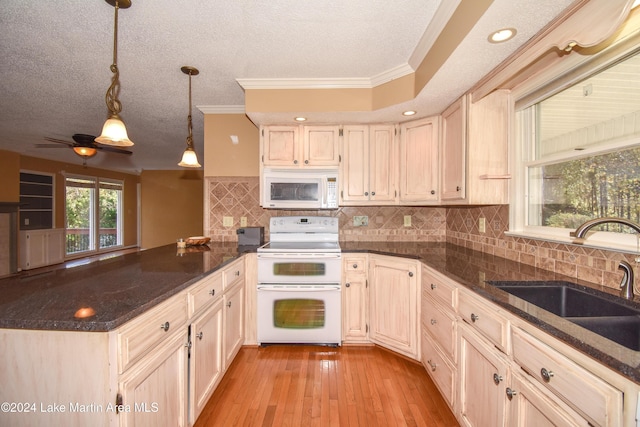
{"type": "Point", "coordinates": [56, 56]}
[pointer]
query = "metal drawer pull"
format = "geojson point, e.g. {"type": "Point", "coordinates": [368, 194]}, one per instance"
{"type": "Point", "coordinates": [433, 286]}
{"type": "Point", "coordinates": [433, 365]}
{"type": "Point", "coordinates": [347, 284]}
{"type": "Point", "coordinates": [229, 304]}
{"type": "Point", "coordinates": [434, 321]}
{"type": "Point", "coordinates": [411, 274]}
{"type": "Point", "coordinates": [212, 292]}
{"type": "Point", "coordinates": [511, 393]}
{"type": "Point", "coordinates": [165, 326]}
{"type": "Point", "coordinates": [199, 335]}
{"type": "Point", "coordinates": [238, 273]}
{"type": "Point", "coordinates": [373, 193]}
{"type": "Point", "coordinates": [474, 317]}
{"type": "Point", "coordinates": [497, 378]}
{"type": "Point", "coordinates": [546, 375]}
{"type": "Point", "coordinates": [355, 265]}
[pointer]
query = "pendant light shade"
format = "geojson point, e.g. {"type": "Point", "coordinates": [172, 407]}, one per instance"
{"type": "Point", "coordinates": [189, 157]}
{"type": "Point", "coordinates": [114, 131]}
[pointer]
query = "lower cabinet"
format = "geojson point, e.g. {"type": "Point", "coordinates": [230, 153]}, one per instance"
{"type": "Point", "coordinates": [233, 323]}
{"type": "Point", "coordinates": [205, 358]}
{"type": "Point", "coordinates": [39, 248]}
{"type": "Point", "coordinates": [394, 304]}
{"type": "Point", "coordinates": [355, 299]}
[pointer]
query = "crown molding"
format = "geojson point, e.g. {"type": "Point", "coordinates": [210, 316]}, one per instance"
{"type": "Point", "coordinates": [221, 109]}
{"type": "Point", "coordinates": [440, 19]}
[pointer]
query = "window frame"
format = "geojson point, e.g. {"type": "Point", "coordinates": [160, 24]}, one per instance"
{"type": "Point", "coordinates": [523, 150]}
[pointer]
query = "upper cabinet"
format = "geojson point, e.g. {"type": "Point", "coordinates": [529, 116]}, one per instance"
{"type": "Point", "coordinates": [418, 163]}
{"type": "Point", "coordinates": [368, 165]}
{"type": "Point", "coordinates": [300, 146]}
{"type": "Point", "coordinates": [452, 151]}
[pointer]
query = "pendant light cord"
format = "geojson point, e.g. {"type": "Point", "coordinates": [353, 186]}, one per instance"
{"type": "Point", "coordinates": [189, 123]}
{"type": "Point", "coordinates": [111, 98]}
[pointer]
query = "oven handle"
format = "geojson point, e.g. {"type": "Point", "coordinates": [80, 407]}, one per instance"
{"type": "Point", "coordinates": [295, 289]}
{"type": "Point", "coordinates": [300, 255]}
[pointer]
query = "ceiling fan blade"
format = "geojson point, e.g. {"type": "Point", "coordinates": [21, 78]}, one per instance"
{"type": "Point", "coordinates": [49, 146]}
{"type": "Point", "coordinates": [59, 141]}
{"type": "Point", "coordinates": [112, 149]}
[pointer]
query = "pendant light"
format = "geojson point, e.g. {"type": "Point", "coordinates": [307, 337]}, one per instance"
{"type": "Point", "coordinates": [189, 158]}
{"type": "Point", "coordinates": [114, 131]}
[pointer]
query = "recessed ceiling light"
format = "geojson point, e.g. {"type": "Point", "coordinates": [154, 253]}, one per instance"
{"type": "Point", "coordinates": [408, 113]}
{"type": "Point", "coordinates": [502, 35]}
{"type": "Point", "coordinates": [300, 119]}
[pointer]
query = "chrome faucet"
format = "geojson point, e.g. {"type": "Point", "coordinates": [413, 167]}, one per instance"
{"type": "Point", "coordinates": [626, 286]}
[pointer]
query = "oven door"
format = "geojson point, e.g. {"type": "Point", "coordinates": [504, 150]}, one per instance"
{"type": "Point", "coordinates": [299, 268]}
{"type": "Point", "coordinates": [300, 314]}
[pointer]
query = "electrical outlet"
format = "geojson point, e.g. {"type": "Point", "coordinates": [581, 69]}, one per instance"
{"type": "Point", "coordinates": [360, 221]}
{"type": "Point", "coordinates": [227, 221]}
{"type": "Point", "coordinates": [407, 220]}
{"type": "Point", "coordinates": [243, 221]}
{"type": "Point", "coordinates": [482, 225]}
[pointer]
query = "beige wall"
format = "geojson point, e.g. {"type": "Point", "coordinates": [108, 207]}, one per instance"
{"type": "Point", "coordinates": [221, 157]}
{"type": "Point", "coordinates": [9, 170]}
{"type": "Point", "coordinates": [130, 192]}
{"type": "Point", "coordinates": [171, 206]}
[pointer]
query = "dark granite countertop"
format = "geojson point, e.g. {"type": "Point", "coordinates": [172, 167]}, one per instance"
{"type": "Point", "coordinates": [473, 269]}
{"type": "Point", "coordinates": [117, 288]}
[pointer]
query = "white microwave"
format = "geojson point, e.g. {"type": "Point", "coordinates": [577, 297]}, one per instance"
{"type": "Point", "coordinates": [299, 189]}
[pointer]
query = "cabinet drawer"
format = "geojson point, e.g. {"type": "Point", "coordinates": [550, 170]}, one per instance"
{"type": "Point", "coordinates": [439, 324]}
{"type": "Point", "coordinates": [355, 264]}
{"type": "Point", "coordinates": [233, 274]}
{"type": "Point", "coordinates": [205, 292]}
{"type": "Point", "coordinates": [485, 319]}
{"type": "Point", "coordinates": [143, 333]}
{"type": "Point", "coordinates": [438, 288]}
{"type": "Point", "coordinates": [440, 370]}
{"type": "Point", "coordinates": [597, 400]}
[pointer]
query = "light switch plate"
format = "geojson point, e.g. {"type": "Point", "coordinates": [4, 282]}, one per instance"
{"type": "Point", "coordinates": [482, 225]}
{"type": "Point", "coordinates": [227, 221]}
{"type": "Point", "coordinates": [243, 221]}
{"type": "Point", "coordinates": [407, 220]}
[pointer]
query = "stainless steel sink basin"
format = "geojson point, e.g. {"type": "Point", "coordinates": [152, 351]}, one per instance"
{"type": "Point", "coordinates": [598, 312]}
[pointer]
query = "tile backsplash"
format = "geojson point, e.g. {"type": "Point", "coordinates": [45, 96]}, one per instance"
{"type": "Point", "coordinates": [239, 197]}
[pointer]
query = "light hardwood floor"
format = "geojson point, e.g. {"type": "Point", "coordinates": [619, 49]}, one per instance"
{"type": "Point", "coordinates": [325, 386]}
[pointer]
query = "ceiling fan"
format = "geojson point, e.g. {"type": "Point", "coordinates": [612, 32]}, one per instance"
{"type": "Point", "coordinates": [83, 145]}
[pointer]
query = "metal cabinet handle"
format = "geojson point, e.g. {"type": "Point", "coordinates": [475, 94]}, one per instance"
{"type": "Point", "coordinates": [373, 193]}
{"type": "Point", "coordinates": [434, 321]}
{"type": "Point", "coordinates": [411, 274]}
{"type": "Point", "coordinates": [165, 326]}
{"type": "Point", "coordinates": [546, 375]}
{"type": "Point", "coordinates": [433, 286]}
{"type": "Point", "coordinates": [199, 335]}
{"type": "Point", "coordinates": [457, 188]}
{"type": "Point", "coordinates": [212, 292]}
{"type": "Point", "coordinates": [433, 365]}
{"type": "Point", "coordinates": [347, 284]}
{"type": "Point", "coordinates": [229, 304]}
{"type": "Point", "coordinates": [474, 317]}
{"type": "Point", "coordinates": [497, 378]}
{"type": "Point", "coordinates": [306, 162]}
{"type": "Point", "coordinates": [238, 273]}
{"type": "Point", "coordinates": [366, 193]}
{"type": "Point", "coordinates": [295, 162]}
{"type": "Point", "coordinates": [510, 393]}
{"type": "Point", "coordinates": [433, 191]}
{"type": "Point", "coordinates": [355, 266]}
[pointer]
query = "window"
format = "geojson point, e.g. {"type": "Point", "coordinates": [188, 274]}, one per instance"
{"type": "Point", "coordinates": [93, 214]}
{"type": "Point", "coordinates": [580, 158]}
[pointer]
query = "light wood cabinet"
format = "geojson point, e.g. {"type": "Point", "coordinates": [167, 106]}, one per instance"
{"type": "Point", "coordinates": [205, 357]}
{"type": "Point", "coordinates": [355, 299]}
{"type": "Point", "coordinates": [368, 165]}
{"type": "Point", "coordinates": [233, 323]}
{"type": "Point", "coordinates": [482, 374]}
{"type": "Point", "coordinates": [418, 162]}
{"type": "Point", "coordinates": [300, 146]}
{"type": "Point", "coordinates": [39, 248]}
{"type": "Point", "coordinates": [394, 304]}
{"type": "Point", "coordinates": [453, 151]}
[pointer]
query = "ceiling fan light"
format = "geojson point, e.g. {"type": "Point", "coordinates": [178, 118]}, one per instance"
{"type": "Point", "coordinates": [85, 151]}
{"type": "Point", "coordinates": [189, 159]}
{"type": "Point", "coordinates": [114, 133]}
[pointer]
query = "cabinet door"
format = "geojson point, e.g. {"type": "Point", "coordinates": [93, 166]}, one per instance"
{"type": "Point", "coordinates": [355, 164]}
{"type": "Point", "coordinates": [321, 145]}
{"type": "Point", "coordinates": [454, 135]}
{"type": "Point", "coordinates": [55, 246]}
{"type": "Point", "coordinates": [381, 163]}
{"type": "Point", "coordinates": [418, 163]}
{"type": "Point", "coordinates": [154, 391]}
{"type": "Point", "coordinates": [206, 358]}
{"type": "Point", "coordinates": [354, 307]}
{"type": "Point", "coordinates": [233, 323]}
{"type": "Point", "coordinates": [34, 252]}
{"type": "Point", "coordinates": [281, 146]}
{"type": "Point", "coordinates": [393, 304]}
{"type": "Point", "coordinates": [482, 374]}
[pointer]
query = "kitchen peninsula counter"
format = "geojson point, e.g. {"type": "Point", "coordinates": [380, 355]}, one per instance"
{"type": "Point", "coordinates": [117, 288]}
{"type": "Point", "coordinates": [474, 269]}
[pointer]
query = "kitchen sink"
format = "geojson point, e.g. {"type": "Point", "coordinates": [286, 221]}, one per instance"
{"type": "Point", "coordinates": [599, 313]}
